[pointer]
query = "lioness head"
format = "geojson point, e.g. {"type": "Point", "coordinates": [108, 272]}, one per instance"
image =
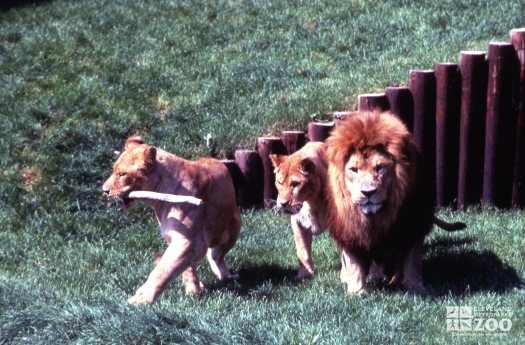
{"type": "Point", "coordinates": [131, 170]}
{"type": "Point", "coordinates": [372, 163]}
{"type": "Point", "coordinates": [298, 177]}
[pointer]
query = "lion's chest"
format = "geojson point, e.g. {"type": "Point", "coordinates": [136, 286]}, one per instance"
{"type": "Point", "coordinates": [310, 220]}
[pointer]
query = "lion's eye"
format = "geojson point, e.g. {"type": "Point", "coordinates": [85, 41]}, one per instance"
{"type": "Point", "coordinates": [353, 169]}
{"type": "Point", "coordinates": [380, 168]}
{"type": "Point", "coordinates": [121, 174]}
{"type": "Point", "coordinates": [294, 184]}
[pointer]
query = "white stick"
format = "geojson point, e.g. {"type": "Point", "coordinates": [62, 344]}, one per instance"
{"type": "Point", "coordinates": [165, 197]}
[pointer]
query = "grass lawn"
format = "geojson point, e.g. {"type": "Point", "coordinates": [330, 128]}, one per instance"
{"type": "Point", "coordinates": [205, 78]}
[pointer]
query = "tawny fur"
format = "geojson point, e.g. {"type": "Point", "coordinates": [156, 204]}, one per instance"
{"type": "Point", "coordinates": [301, 181]}
{"type": "Point", "coordinates": [191, 232]}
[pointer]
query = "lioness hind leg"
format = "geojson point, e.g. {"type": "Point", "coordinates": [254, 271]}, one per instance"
{"type": "Point", "coordinates": [413, 268]}
{"type": "Point", "coordinates": [218, 265]}
{"type": "Point", "coordinates": [216, 254]}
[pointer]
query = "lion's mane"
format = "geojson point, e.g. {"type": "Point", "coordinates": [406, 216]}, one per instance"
{"type": "Point", "coordinates": [407, 212]}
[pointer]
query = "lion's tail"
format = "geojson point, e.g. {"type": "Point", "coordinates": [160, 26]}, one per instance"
{"type": "Point", "coordinates": [449, 226]}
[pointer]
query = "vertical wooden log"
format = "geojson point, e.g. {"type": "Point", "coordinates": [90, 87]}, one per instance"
{"type": "Point", "coordinates": [401, 104]}
{"type": "Point", "coordinates": [265, 147]}
{"type": "Point", "coordinates": [250, 190]}
{"type": "Point", "coordinates": [372, 101]}
{"type": "Point", "coordinates": [517, 37]}
{"type": "Point", "coordinates": [319, 131]}
{"type": "Point", "coordinates": [235, 174]}
{"type": "Point", "coordinates": [500, 128]}
{"type": "Point", "coordinates": [448, 101]}
{"type": "Point", "coordinates": [422, 85]}
{"type": "Point", "coordinates": [293, 140]}
{"type": "Point", "coordinates": [474, 73]}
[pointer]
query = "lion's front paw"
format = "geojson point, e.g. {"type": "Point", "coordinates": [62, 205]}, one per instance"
{"type": "Point", "coordinates": [143, 296]}
{"type": "Point", "coordinates": [355, 289]}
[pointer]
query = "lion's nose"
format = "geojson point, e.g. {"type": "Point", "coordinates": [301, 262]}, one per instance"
{"type": "Point", "coordinates": [105, 189]}
{"type": "Point", "coordinates": [368, 192]}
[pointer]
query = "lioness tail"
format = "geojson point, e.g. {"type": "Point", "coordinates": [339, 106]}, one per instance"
{"type": "Point", "coordinates": [449, 226]}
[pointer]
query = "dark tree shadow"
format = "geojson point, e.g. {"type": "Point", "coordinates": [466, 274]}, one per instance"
{"type": "Point", "coordinates": [257, 281]}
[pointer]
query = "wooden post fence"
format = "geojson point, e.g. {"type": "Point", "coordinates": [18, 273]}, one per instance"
{"type": "Point", "coordinates": [401, 104]}
{"type": "Point", "coordinates": [319, 131]}
{"type": "Point", "coordinates": [265, 147]}
{"type": "Point", "coordinates": [500, 125]}
{"type": "Point", "coordinates": [372, 101]}
{"type": "Point", "coordinates": [236, 176]}
{"type": "Point", "coordinates": [448, 100]}
{"type": "Point", "coordinates": [468, 120]}
{"type": "Point", "coordinates": [422, 85]}
{"type": "Point", "coordinates": [251, 180]}
{"type": "Point", "coordinates": [474, 73]}
{"type": "Point", "coordinates": [517, 38]}
{"type": "Point", "coordinates": [293, 140]}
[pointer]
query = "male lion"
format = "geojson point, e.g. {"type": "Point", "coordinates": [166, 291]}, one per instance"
{"type": "Point", "coordinates": [380, 205]}
{"type": "Point", "coordinates": [300, 179]}
{"type": "Point", "coordinates": [190, 231]}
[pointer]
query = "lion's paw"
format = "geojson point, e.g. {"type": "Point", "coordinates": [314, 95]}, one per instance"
{"type": "Point", "coordinates": [355, 289]}
{"type": "Point", "coordinates": [143, 296]}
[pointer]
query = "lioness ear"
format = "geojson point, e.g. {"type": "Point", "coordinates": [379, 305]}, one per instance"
{"type": "Point", "coordinates": [149, 156]}
{"type": "Point", "coordinates": [133, 142]}
{"type": "Point", "coordinates": [307, 166]}
{"type": "Point", "coordinates": [277, 160]}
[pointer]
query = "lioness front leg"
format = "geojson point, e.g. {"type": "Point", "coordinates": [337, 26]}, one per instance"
{"type": "Point", "coordinates": [177, 257]}
{"type": "Point", "coordinates": [354, 270]}
{"type": "Point", "coordinates": [303, 247]}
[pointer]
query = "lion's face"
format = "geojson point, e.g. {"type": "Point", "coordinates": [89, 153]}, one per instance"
{"type": "Point", "coordinates": [295, 180]}
{"type": "Point", "coordinates": [131, 171]}
{"type": "Point", "coordinates": [368, 178]}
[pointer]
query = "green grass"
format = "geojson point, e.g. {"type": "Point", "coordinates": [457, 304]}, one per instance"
{"type": "Point", "coordinates": [78, 77]}
{"type": "Point", "coordinates": [76, 289]}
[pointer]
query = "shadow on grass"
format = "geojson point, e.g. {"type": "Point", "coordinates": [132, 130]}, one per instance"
{"type": "Point", "coordinates": [452, 269]}
{"type": "Point", "coordinates": [465, 271]}
{"type": "Point", "coordinates": [469, 272]}
{"type": "Point", "coordinates": [258, 281]}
